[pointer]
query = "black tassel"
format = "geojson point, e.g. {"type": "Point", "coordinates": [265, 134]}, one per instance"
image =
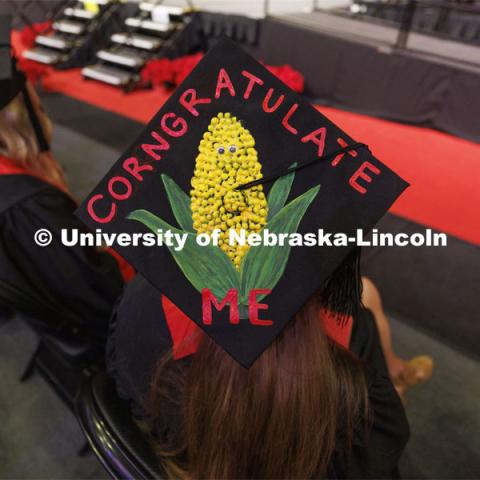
{"type": "Point", "coordinates": [342, 292]}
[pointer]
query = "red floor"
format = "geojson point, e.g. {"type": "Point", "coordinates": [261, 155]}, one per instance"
{"type": "Point", "coordinates": [444, 171]}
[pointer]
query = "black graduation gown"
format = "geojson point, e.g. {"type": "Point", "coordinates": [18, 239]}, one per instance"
{"type": "Point", "coordinates": [79, 281]}
{"type": "Point", "coordinates": [139, 335]}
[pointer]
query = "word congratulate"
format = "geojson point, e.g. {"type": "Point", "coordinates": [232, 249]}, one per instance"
{"type": "Point", "coordinates": [102, 207]}
{"type": "Point", "coordinates": [177, 241]}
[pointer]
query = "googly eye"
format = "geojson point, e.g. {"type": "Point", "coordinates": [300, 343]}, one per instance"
{"type": "Point", "coordinates": [221, 150]}
{"type": "Point", "coordinates": [232, 149]}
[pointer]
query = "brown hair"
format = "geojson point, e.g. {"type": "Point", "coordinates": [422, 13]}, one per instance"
{"type": "Point", "coordinates": [279, 419]}
{"type": "Point", "coordinates": [19, 143]}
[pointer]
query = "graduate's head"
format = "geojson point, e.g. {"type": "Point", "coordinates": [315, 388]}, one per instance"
{"type": "Point", "coordinates": [18, 140]}
{"type": "Point", "coordinates": [25, 130]}
{"type": "Point", "coordinates": [278, 419]}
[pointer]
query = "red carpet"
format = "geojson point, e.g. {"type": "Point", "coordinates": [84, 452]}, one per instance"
{"type": "Point", "coordinates": [444, 171]}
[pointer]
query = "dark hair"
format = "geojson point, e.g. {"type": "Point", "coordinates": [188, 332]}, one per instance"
{"type": "Point", "coordinates": [279, 419]}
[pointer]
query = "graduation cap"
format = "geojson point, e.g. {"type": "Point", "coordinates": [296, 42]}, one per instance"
{"type": "Point", "coordinates": [234, 148]}
{"type": "Point", "coordinates": [13, 81]}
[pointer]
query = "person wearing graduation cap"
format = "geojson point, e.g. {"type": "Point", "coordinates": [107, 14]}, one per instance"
{"type": "Point", "coordinates": [250, 360]}
{"type": "Point", "coordinates": [78, 281]}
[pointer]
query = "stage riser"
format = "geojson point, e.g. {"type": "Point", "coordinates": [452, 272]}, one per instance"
{"type": "Point", "coordinates": [362, 78]}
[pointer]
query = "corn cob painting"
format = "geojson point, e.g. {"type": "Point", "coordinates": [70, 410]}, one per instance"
{"type": "Point", "coordinates": [226, 159]}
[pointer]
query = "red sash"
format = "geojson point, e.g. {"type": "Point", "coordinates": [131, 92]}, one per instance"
{"type": "Point", "coordinates": [9, 167]}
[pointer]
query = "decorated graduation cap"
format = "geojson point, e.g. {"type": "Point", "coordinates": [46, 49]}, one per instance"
{"type": "Point", "coordinates": [13, 81]}
{"type": "Point", "coordinates": [233, 149]}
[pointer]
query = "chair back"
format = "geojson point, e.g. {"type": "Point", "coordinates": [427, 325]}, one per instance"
{"type": "Point", "coordinates": [118, 442]}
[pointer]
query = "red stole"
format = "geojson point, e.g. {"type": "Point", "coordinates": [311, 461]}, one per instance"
{"type": "Point", "coordinates": [9, 167]}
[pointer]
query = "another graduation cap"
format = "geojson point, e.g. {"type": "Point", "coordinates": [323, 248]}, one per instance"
{"type": "Point", "coordinates": [234, 148]}
{"type": "Point", "coordinates": [13, 81]}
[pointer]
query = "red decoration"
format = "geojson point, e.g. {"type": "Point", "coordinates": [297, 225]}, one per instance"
{"type": "Point", "coordinates": [172, 72]}
{"type": "Point", "coordinates": [157, 72]}
{"type": "Point", "coordinates": [29, 33]}
{"type": "Point", "coordinates": [33, 70]}
{"type": "Point", "coordinates": [182, 66]}
{"type": "Point", "coordinates": [289, 76]}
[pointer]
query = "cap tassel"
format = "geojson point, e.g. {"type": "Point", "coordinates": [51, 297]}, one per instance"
{"type": "Point", "coordinates": [300, 166]}
{"type": "Point", "coordinates": [342, 291]}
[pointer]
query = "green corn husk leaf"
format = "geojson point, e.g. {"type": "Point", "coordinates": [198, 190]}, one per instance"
{"type": "Point", "coordinates": [179, 203]}
{"type": "Point", "coordinates": [279, 193]}
{"type": "Point", "coordinates": [263, 266]}
{"type": "Point", "coordinates": [205, 267]}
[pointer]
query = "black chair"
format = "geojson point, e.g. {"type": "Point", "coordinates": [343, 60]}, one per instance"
{"type": "Point", "coordinates": [111, 432]}
{"type": "Point", "coordinates": [65, 354]}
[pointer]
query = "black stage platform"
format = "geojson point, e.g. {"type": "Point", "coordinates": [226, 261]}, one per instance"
{"type": "Point", "coordinates": [353, 64]}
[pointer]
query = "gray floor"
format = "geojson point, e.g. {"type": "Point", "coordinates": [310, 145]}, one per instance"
{"type": "Point", "coordinates": [82, 171]}
{"type": "Point", "coordinates": [39, 437]}
{"type": "Point", "coordinates": [444, 413]}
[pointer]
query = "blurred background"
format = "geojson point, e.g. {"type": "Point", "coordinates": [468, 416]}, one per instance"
{"type": "Point", "coordinates": [401, 76]}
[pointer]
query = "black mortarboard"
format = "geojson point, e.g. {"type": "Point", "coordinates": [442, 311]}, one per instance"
{"type": "Point", "coordinates": [12, 81]}
{"type": "Point", "coordinates": [231, 122]}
